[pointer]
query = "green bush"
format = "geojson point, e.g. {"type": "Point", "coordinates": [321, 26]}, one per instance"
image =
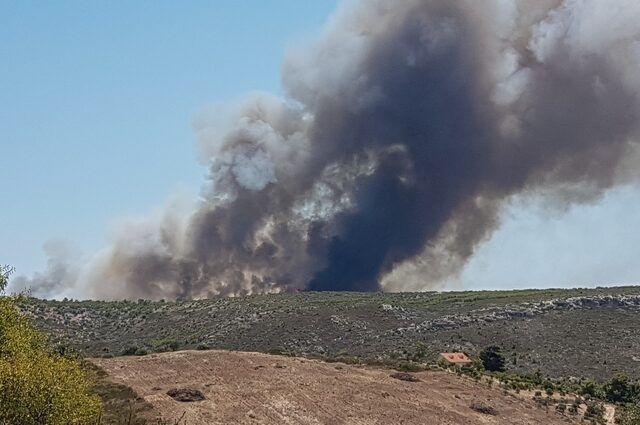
{"type": "Point", "coordinates": [38, 386]}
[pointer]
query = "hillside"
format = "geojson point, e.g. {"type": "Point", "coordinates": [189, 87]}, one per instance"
{"type": "Point", "coordinates": [578, 332]}
{"type": "Point", "coordinates": [253, 388]}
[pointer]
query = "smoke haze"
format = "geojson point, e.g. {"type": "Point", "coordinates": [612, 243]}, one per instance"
{"type": "Point", "coordinates": [405, 128]}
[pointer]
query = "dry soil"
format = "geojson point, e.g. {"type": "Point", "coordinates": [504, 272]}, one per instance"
{"type": "Point", "coordinates": [254, 388]}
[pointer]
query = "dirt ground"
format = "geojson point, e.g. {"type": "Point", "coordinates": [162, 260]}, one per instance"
{"type": "Point", "coordinates": [254, 388]}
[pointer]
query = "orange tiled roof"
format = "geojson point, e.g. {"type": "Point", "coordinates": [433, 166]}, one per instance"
{"type": "Point", "coordinates": [455, 357]}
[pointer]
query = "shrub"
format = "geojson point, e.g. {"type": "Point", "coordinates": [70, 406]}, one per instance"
{"type": "Point", "coordinates": [38, 385]}
{"type": "Point", "coordinates": [548, 388]}
{"type": "Point", "coordinates": [573, 409]}
{"type": "Point", "coordinates": [594, 411]}
{"type": "Point", "coordinates": [161, 346]}
{"type": "Point", "coordinates": [589, 388]}
{"type": "Point", "coordinates": [629, 415]}
{"type": "Point", "coordinates": [280, 352]}
{"type": "Point", "coordinates": [483, 408]}
{"type": "Point", "coordinates": [129, 351]}
{"type": "Point", "coordinates": [404, 376]}
{"type": "Point", "coordinates": [409, 367]}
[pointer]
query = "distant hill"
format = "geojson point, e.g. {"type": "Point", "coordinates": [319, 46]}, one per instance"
{"type": "Point", "coordinates": [575, 332]}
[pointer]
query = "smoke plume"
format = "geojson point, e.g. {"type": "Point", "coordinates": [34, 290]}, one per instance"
{"type": "Point", "coordinates": [405, 127]}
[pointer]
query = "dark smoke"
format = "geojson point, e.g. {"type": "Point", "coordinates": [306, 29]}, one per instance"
{"type": "Point", "coordinates": [407, 124]}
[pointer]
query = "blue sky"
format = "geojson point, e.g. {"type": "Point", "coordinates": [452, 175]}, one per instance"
{"type": "Point", "coordinates": [97, 100]}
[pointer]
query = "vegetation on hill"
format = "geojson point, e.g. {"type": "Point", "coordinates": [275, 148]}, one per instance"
{"type": "Point", "coordinates": [38, 386]}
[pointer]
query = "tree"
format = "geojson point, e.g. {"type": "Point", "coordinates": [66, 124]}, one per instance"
{"type": "Point", "coordinates": [5, 272]}
{"type": "Point", "coordinates": [38, 385]}
{"type": "Point", "coordinates": [619, 389]}
{"type": "Point", "coordinates": [492, 359]}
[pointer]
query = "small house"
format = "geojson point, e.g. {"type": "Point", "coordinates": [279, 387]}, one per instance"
{"type": "Point", "coordinates": [455, 358]}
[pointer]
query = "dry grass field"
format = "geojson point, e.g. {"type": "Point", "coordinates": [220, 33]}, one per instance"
{"type": "Point", "coordinates": [254, 388]}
